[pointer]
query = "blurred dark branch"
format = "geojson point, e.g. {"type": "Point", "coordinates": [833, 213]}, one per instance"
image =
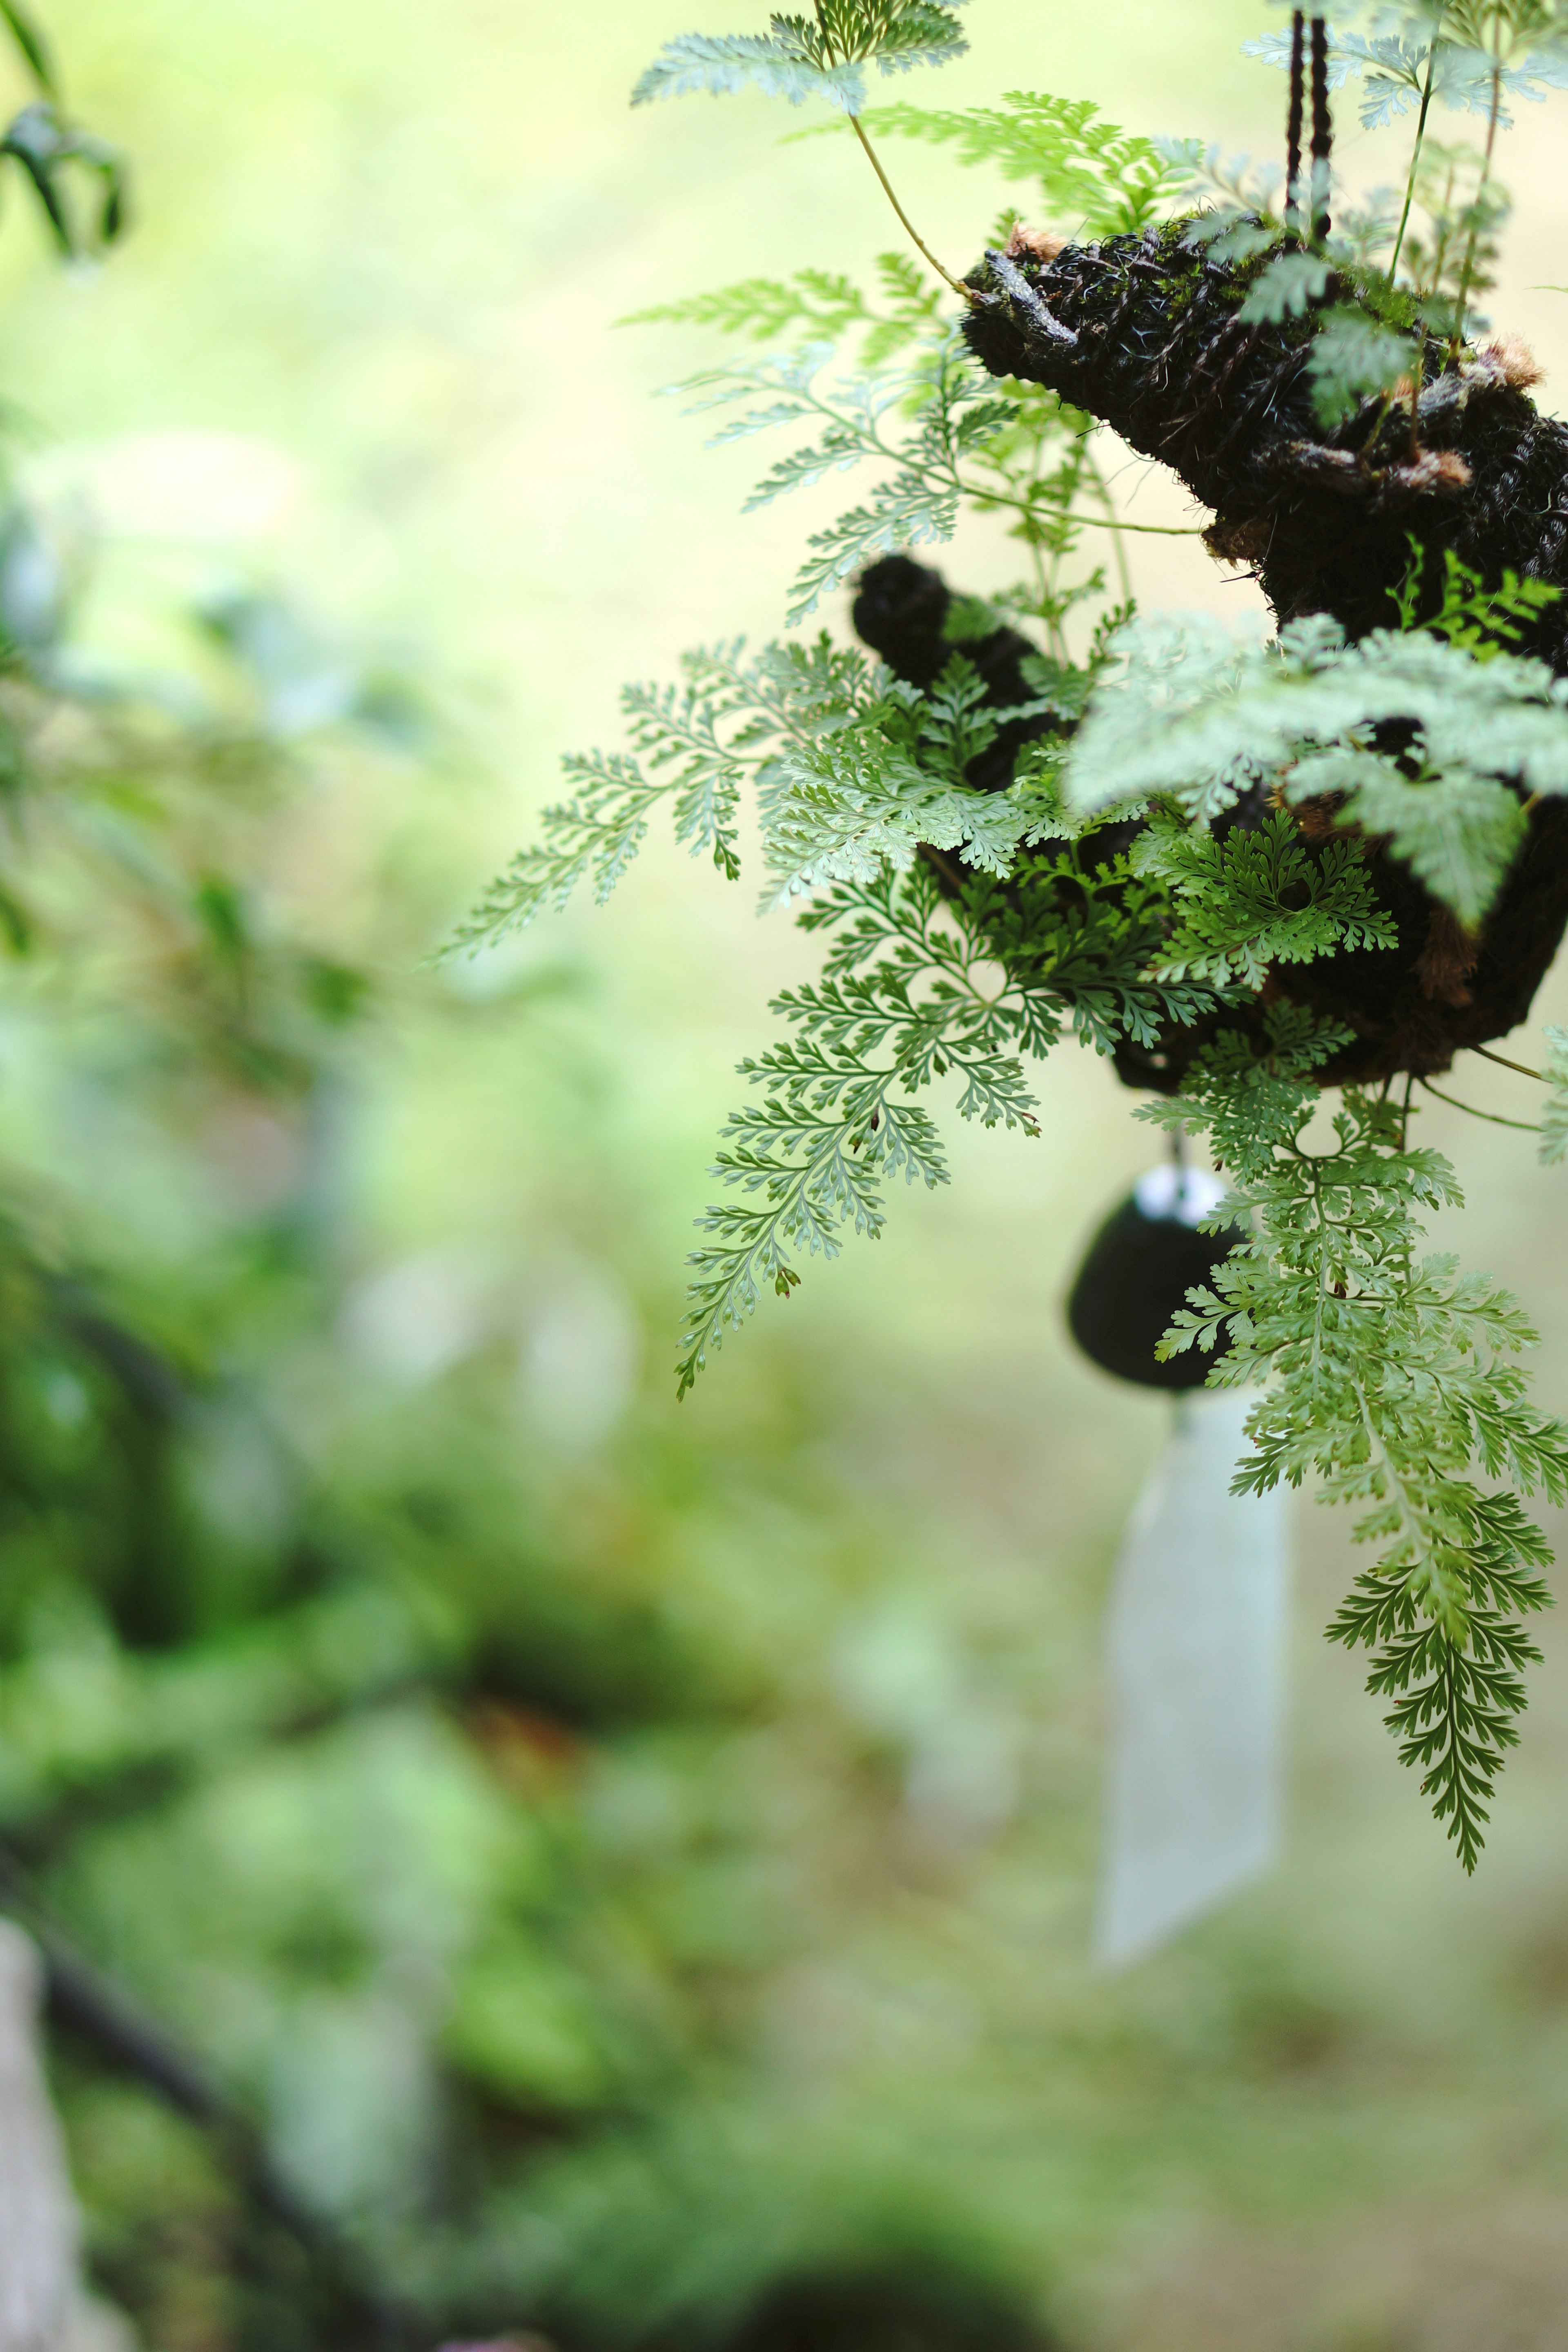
{"type": "Point", "coordinates": [84, 2004]}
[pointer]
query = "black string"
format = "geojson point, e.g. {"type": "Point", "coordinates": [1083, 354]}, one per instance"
{"type": "Point", "coordinates": [1323, 129]}
{"type": "Point", "coordinates": [1293, 120]}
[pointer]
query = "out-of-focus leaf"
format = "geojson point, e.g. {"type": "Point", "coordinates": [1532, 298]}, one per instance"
{"type": "Point", "coordinates": [34, 48]}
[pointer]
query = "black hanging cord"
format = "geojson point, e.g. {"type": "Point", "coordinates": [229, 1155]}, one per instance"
{"type": "Point", "coordinates": [1293, 119]}
{"type": "Point", "coordinates": [1323, 129]}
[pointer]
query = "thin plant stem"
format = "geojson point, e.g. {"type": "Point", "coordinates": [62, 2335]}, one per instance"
{"type": "Point", "coordinates": [1522, 1067]}
{"type": "Point", "coordinates": [1152, 530]}
{"type": "Point", "coordinates": [1493, 112]}
{"type": "Point", "coordinates": [1114, 523]}
{"type": "Point", "coordinates": [985, 496]}
{"type": "Point", "coordinates": [1420, 142]}
{"type": "Point", "coordinates": [1036, 556]}
{"type": "Point", "coordinates": [965, 293]}
{"type": "Point", "coordinates": [1525, 1126]}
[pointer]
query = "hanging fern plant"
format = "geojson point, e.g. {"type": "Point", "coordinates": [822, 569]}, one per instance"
{"type": "Point", "coordinates": [1244, 873]}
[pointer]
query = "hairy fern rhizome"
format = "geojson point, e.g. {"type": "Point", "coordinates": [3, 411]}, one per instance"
{"type": "Point", "coordinates": [1244, 873]}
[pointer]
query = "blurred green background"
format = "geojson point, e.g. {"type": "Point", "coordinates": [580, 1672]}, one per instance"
{"type": "Point", "coordinates": [632, 1864]}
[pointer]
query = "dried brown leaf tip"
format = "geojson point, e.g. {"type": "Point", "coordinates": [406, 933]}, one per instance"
{"type": "Point", "coordinates": [1441, 470]}
{"type": "Point", "coordinates": [1041, 245]}
{"type": "Point", "coordinates": [1511, 357]}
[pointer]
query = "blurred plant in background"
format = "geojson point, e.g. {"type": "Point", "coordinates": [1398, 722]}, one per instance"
{"type": "Point", "coordinates": [397, 1711]}
{"type": "Point", "coordinates": [620, 1874]}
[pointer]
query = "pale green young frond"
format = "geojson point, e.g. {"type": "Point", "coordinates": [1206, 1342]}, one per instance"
{"type": "Point", "coordinates": [1457, 831]}
{"type": "Point", "coordinates": [1091, 176]}
{"type": "Point", "coordinates": [719, 63]}
{"type": "Point", "coordinates": [949, 418]}
{"type": "Point", "coordinates": [1393, 69]}
{"type": "Point", "coordinates": [1286, 288]}
{"type": "Point", "coordinates": [817, 306]}
{"type": "Point", "coordinates": [842, 807]}
{"type": "Point", "coordinates": [821, 56]}
{"type": "Point", "coordinates": [1193, 710]}
{"type": "Point", "coordinates": [839, 449]}
{"type": "Point", "coordinates": [1553, 1146]}
{"type": "Point", "coordinates": [820, 303]}
{"type": "Point", "coordinates": [908, 511]}
{"type": "Point", "coordinates": [1353, 359]}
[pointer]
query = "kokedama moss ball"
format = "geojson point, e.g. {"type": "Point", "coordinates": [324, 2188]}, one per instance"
{"type": "Point", "coordinates": [1143, 332]}
{"type": "Point", "coordinates": [902, 610]}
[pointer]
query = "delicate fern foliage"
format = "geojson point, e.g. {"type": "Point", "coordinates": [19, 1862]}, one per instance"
{"type": "Point", "coordinates": [948, 411]}
{"type": "Point", "coordinates": [847, 804]}
{"type": "Point", "coordinates": [1092, 176]}
{"type": "Point", "coordinates": [823, 56]}
{"type": "Point", "coordinates": [1285, 289]}
{"type": "Point", "coordinates": [1192, 711]}
{"type": "Point", "coordinates": [905, 999]}
{"type": "Point", "coordinates": [815, 306]}
{"type": "Point", "coordinates": [1393, 1379]}
{"type": "Point", "coordinates": [698, 744]}
{"type": "Point", "coordinates": [1401, 69]}
{"type": "Point", "coordinates": [1478, 619]}
{"type": "Point", "coordinates": [1254, 899]}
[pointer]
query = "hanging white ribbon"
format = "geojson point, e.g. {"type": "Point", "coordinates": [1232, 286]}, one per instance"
{"type": "Point", "coordinates": [1197, 1635]}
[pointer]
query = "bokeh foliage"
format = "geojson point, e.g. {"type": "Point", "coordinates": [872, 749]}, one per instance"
{"type": "Point", "coordinates": [623, 1858]}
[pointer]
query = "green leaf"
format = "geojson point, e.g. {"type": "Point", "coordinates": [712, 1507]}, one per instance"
{"type": "Point", "coordinates": [821, 301]}
{"type": "Point", "coordinates": [30, 41]}
{"type": "Point", "coordinates": [1458, 831]}
{"type": "Point", "coordinates": [1285, 289]}
{"type": "Point", "coordinates": [700, 742]}
{"type": "Point", "coordinates": [1478, 619]}
{"type": "Point", "coordinates": [909, 996]}
{"type": "Point", "coordinates": [46, 152]}
{"type": "Point", "coordinates": [1354, 359]}
{"type": "Point", "coordinates": [1189, 708]}
{"type": "Point", "coordinates": [848, 804]}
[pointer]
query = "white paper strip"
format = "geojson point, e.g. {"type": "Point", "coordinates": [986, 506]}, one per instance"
{"type": "Point", "coordinates": [1197, 1639]}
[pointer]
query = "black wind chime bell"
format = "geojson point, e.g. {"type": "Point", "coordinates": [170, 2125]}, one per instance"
{"type": "Point", "coordinates": [1137, 1270]}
